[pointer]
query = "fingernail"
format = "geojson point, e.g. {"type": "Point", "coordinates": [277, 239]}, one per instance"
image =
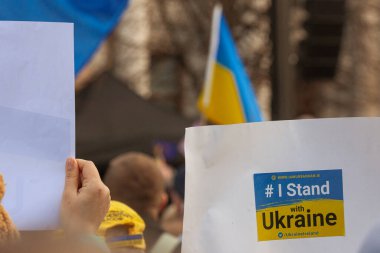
{"type": "Point", "coordinates": [70, 164]}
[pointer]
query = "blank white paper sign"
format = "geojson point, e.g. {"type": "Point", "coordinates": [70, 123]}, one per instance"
{"type": "Point", "coordinates": [37, 118]}
{"type": "Point", "coordinates": [220, 211]}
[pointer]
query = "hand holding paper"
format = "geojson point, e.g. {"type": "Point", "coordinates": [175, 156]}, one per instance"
{"type": "Point", "coordinates": [85, 199]}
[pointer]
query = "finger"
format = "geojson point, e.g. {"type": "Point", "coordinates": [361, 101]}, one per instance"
{"type": "Point", "coordinates": [89, 170]}
{"type": "Point", "coordinates": [72, 176]}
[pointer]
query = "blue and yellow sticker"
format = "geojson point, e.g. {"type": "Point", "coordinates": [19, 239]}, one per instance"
{"type": "Point", "coordinates": [302, 204]}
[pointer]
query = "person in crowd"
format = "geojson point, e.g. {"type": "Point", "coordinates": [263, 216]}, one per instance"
{"type": "Point", "coordinates": [135, 179]}
{"type": "Point", "coordinates": [172, 218]}
{"type": "Point", "coordinates": [85, 202]}
{"type": "Point", "coordinates": [123, 229]}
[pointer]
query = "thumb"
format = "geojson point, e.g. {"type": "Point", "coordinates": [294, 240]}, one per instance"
{"type": "Point", "coordinates": [72, 176]}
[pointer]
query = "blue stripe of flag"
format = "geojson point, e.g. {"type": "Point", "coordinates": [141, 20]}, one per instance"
{"type": "Point", "coordinates": [93, 19]}
{"type": "Point", "coordinates": [228, 56]}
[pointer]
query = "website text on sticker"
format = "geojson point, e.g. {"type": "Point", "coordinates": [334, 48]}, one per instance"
{"type": "Point", "coordinates": [302, 204]}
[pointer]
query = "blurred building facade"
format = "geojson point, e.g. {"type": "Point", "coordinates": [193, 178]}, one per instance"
{"type": "Point", "coordinates": [355, 90]}
{"type": "Point", "coordinates": [160, 48]}
{"type": "Point", "coordinates": [304, 57]}
{"type": "Point", "coordinates": [347, 82]}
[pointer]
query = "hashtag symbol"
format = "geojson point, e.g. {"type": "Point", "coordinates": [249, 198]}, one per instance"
{"type": "Point", "coordinates": [269, 191]}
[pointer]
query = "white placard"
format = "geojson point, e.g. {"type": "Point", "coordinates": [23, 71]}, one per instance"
{"type": "Point", "coordinates": [37, 118]}
{"type": "Point", "coordinates": [221, 161]}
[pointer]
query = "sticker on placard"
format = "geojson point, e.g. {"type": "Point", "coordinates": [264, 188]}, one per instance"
{"type": "Point", "coordinates": [302, 204]}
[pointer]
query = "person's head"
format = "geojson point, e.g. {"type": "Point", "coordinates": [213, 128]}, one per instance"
{"type": "Point", "coordinates": [123, 229]}
{"type": "Point", "coordinates": [134, 179]}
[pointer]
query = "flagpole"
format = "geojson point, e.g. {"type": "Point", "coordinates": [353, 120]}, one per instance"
{"type": "Point", "coordinates": [213, 50]}
{"type": "Point", "coordinates": [214, 43]}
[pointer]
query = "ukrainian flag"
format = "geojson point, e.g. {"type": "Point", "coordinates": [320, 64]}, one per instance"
{"type": "Point", "coordinates": [228, 96]}
{"type": "Point", "coordinates": [93, 20]}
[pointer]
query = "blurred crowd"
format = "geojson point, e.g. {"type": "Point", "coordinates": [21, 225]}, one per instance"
{"type": "Point", "coordinates": [136, 204]}
{"type": "Point", "coordinates": [137, 207]}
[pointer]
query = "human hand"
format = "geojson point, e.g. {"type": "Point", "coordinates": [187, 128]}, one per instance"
{"type": "Point", "coordinates": [166, 170]}
{"type": "Point", "coordinates": [85, 200]}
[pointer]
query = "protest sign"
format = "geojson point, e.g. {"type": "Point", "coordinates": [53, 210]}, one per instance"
{"type": "Point", "coordinates": [286, 186]}
{"type": "Point", "coordinates": [37, 124]}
